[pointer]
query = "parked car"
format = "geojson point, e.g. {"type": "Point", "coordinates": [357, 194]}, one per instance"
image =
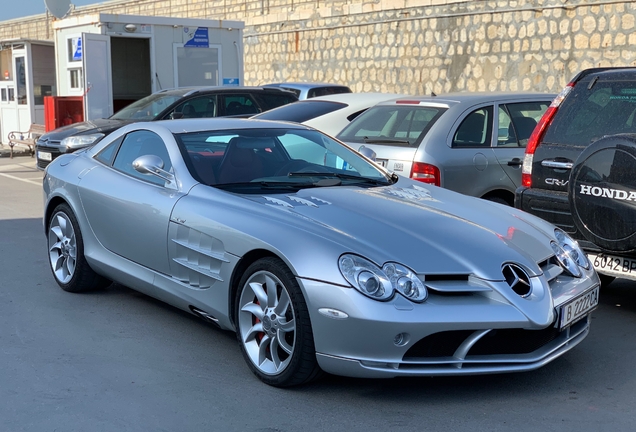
{"type": "Point", "coordinates": [190, 102]}
{"type": "Point", "coordinates": [329, 114]}
{"type": "Point", "coordinates": [579, 170]}
{"type": "Point", "coordinates": [307, 90]}
{"type": "Point", "coordinates": [301, 245]}
{"type": "Point", "coordinates": [472, 143]}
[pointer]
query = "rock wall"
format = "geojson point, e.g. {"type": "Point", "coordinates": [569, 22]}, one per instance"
{"type": "Point", "coordinates": [406, 46]}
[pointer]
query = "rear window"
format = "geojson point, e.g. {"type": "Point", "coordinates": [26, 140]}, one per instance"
{"type": "Point", "coordinates": [274, 100]}
{"type": "Point", "coordinates": [326, 91]}
{"type": "Point", "coordinates": [302, 111]}
{"type": "Point", "coordinates": [588, 114]}
{"type": "Point", "coordinates": [392, 125]}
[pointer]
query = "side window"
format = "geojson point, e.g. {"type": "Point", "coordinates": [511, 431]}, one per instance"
{"type": "Point", "coordinates": [239, 105]}
{"type": "Point", "coordinates": [140, 143]}
{"type": "Point", "coordinates": [522, 118]}
{"type": "Point", "coordinates": [106, 155]}
{"type": "Point", "coordinates": [475, 130]}
{"type": "Point", "coordinates": [204, 106]}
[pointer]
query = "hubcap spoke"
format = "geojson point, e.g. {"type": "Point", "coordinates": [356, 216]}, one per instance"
{"type": "Point", "coordinates": [61, 222]}
{"type": "Point", "coordinates": [260, 294]}
{"type": "Point", "coordinates": [287, 326]}
{"type": "Point", "coordinates": [58, 232]}
{"type": "Point", "coordinates": [251, 334]}
{"type": "Point", "coordinates": [262, 349]}
{"type": "Point", "coordinates": [272, 295]}
{"type": "Point", "coordinates": [283, 303]}
{"type": "Point", "coordinates": [283, 343]}
{"type": "Point", "coordinates": [254, 309]}
{"type": "Point", "coordinates": [273, 349]}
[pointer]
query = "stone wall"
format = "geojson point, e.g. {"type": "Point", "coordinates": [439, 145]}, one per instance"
{"type": "Point", "coordinates": [407, 46]}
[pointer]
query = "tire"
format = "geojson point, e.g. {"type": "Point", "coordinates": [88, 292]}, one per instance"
{"type": "Point", "coordinates": [66, 253]}
{"type": "Point", "coordinates": [602, 192]}
{"type": "Point", "coordinates": [273, 327]}
{"type": "Point", "coordinates": [605, 279]}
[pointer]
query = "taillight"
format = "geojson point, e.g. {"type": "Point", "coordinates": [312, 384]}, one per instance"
{"type": "Point", "coordinates": [537, 135]}
{"type": "Point", "coordinates": [426, 173]}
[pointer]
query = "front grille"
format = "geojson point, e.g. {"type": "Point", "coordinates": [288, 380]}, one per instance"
{"type": "Point", "coordinates": [54, 154]}
{"type": "Point", "coordinates": [513, 341]}
{"type": "Point", "coordinates": [442, 344]}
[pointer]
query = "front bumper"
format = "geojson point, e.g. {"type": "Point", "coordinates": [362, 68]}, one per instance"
{"type": "Point", "coordinates": [468, 334]}
{"type": "Point", "coordinates": [51, 149]}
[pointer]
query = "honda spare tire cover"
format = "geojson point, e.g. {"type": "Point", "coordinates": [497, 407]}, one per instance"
{"type": "Point", "coordinates": [602, 193]}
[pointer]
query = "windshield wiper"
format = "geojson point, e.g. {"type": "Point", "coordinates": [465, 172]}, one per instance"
{"type": "Point", "coordinates": [386, 141]}
{"type": "Point", "coordinates": [340, 176]}
{"type": "Point", "coordinates": [280, 185]}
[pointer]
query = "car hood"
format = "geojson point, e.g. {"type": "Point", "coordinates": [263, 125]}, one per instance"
{"type": "Point", "coordinates": [429, 229]}
{"type": "Point", "coordinates": [104, 126]}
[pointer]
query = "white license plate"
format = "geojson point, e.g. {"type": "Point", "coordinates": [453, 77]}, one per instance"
{"type": "Point", "coordinates": [578, 308]}
{"type": "Point", "coordinates": [44, 155]}
{"type": "Point", "coordinates": [614, 265]}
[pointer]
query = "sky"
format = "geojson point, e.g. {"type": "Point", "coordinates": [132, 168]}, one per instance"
{"type": "Point", "coordinates": [24, 8]}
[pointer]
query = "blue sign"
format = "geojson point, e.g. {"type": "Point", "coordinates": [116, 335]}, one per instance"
{"type": "Point", "coordinates": [200, 39]}
{"type": "Point", "coordinates": [231, 81]}
{"type": "Point", "coordinates": [77, 48]}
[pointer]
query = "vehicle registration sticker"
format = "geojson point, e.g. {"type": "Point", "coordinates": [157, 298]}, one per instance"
{"type": "Point", "coordinates": [614, 265]}
{"type": "Point", "coordinates": [44, 155]}
{"type": "Point", "coordinates": [578, 308]}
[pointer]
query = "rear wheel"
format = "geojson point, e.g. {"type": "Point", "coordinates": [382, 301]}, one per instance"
{"type": "Point", "coordinates": [66, 253]}
{"type": "Point", "coordinates": [273, 327]}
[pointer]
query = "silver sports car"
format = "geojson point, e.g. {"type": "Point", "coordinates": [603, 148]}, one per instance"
{"type": "Point", "coordinates": [317, 258]}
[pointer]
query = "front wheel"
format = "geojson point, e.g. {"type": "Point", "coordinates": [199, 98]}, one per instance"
{"type": "Point", "coordinates": [273, 326]}
{"type": "Point", "coordinates": [66, 253]}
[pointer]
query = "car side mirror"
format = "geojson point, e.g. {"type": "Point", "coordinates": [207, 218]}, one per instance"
{"type": "Point", "coordinates": [366, 151]}
{"type": "Point", "coordinates": [153, 165]}
{"type": "Point", "coordinates": [176, 115]}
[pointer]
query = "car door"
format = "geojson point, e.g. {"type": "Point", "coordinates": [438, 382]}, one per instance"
{"type": "Point", "coordinates": [516, 121]}
{"type": "Point", "coordinates": [471, 167]}
{"type": "Point", "coordinates": [128, 211]}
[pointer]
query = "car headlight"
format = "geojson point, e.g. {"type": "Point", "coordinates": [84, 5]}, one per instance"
{"type": "Point", "coordinates": [381, 283]}
{"type": "Point", "coordinates": [569, 253]}
{"type": "Point", "coordinates": [79, 141]}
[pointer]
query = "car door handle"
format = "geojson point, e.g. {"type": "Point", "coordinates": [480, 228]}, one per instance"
{"type": "Point", "coordinates": [556, 164]}
{"type": "Point", "coordinates": [514, 162]}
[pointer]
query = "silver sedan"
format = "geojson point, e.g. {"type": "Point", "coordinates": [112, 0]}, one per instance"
{"type": "Point", "coordinates": [317, 258]}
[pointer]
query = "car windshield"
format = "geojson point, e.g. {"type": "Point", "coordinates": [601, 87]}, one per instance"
{"type": "Point", "coordinates": [301, 111]}
{"type": "Point", "coordinates": [251, 160]}
{"type": "Point", "coordinates": [397, 125]}
{"type": "Point", "coordinates": [149, 107]}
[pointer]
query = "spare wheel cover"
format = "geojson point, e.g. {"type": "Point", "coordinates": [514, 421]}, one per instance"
{"type": "Point", "coordinates": [602, 193]}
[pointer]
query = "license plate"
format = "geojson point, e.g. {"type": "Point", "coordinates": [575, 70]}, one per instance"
{"type": "Point", "coordinates": [614, 265]}
{"type": "Point", "coordinates": [44, 155]}
{"type": "Point", "coordinates": [578, 308]}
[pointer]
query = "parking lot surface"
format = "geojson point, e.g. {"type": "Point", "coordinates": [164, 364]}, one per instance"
{"type": "Point", "coordinates": [119, 360]}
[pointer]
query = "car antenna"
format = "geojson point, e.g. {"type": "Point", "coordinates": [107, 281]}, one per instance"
{"type": "Point", "coordinates": [433, 94]}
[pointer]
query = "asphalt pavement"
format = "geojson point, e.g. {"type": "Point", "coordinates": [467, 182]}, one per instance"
{"type": "Point", "coordinates": [117, 360]}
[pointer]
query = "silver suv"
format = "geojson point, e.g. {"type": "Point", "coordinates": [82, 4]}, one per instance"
{"type": "Point", "coordinates": [473, 143]}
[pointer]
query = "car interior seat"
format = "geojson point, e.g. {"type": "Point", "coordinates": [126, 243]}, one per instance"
{"type": "Point", "coordinates": [233, 108]}
{"type": "Point", "coordinates": [240, 162]}
{"type": "Point", "coordinates": [189, 111]}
